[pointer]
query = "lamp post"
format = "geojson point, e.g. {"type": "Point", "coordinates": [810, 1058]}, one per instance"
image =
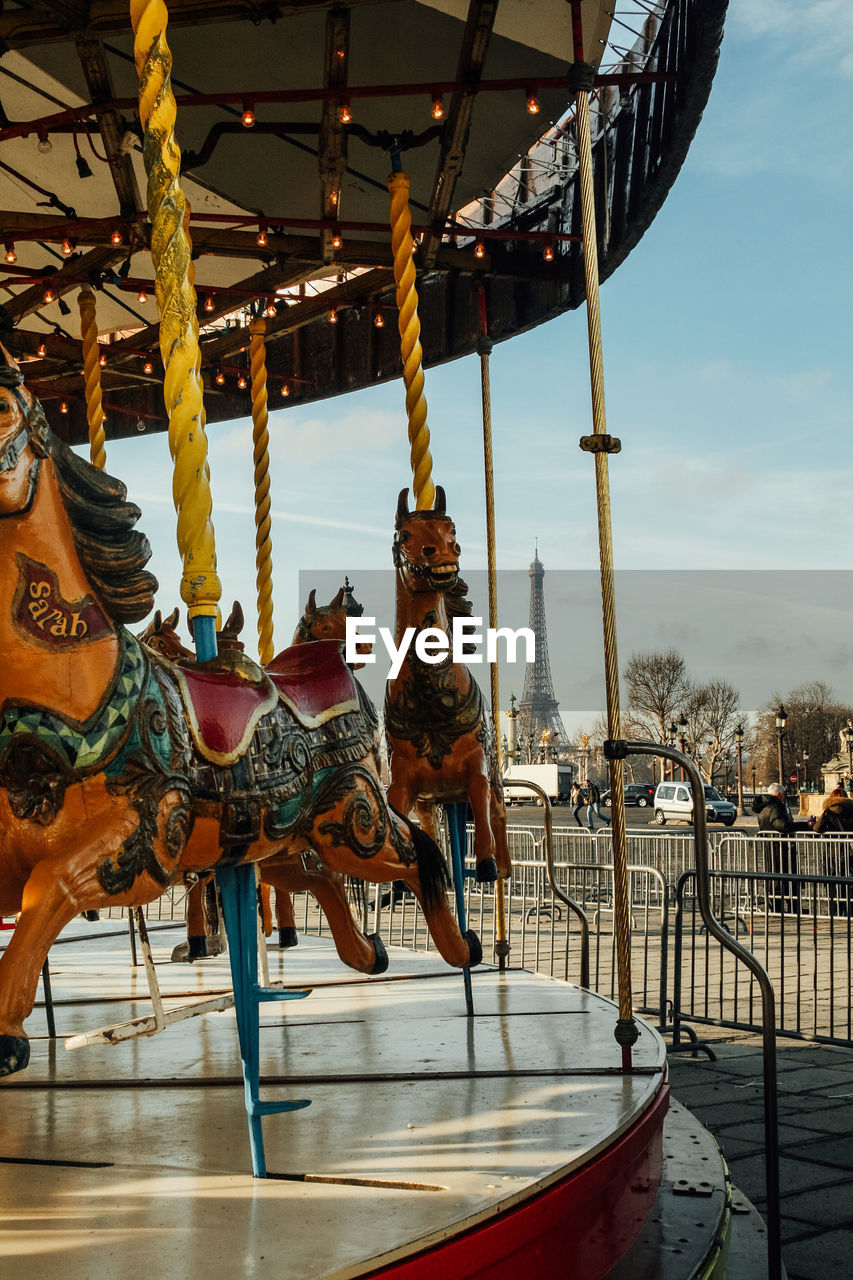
{"type": "Point", "coordinates": [805, 770]}
{"type": "Point", "coordinates": [682, 739]}
{"type": "Point", "coordinates": [673, 739]}
{"type": "Point", "coordinates": [753, 781]}
{"type": "Point", "coordinates": [511, 731]}
{"type": "Point", "coordinates": [739, 742]}
{"type": "Point", "coordinates": [725, 755]}
{"type": "Point", "coordinates": [781, 718]}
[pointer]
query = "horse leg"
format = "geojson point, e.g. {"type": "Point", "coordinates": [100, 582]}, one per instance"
{"type": "Point", "coordinates": [198, 913]}
{"type": "Point", "coordinates": [366, 954]}
{"type": "Point", "coordinates": [265, 903]}
{"type": "Point", "coordinates": [498, 819]}
{"type": "Point", "coordinates": [284, 918]}
{"type": "Point", "coordinates": [479, 796]}
{"type": "Point", "coordinates": [360, 836]}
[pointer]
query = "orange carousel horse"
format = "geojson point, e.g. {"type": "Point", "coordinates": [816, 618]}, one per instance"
{"type": "Point", "coordinates": [365, 953]}
{"type": "Point", "coordinates": [440, 741]}
{"type": "Point", "coordinates": [120, 771]}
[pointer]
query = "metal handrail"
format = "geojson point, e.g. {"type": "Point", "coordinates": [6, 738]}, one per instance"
{"type": "Point", "coordinates": [618, 750]}
{"type": "Point", "coordinates": [552, 878]}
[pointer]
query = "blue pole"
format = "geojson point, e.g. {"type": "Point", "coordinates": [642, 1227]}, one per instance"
{"type": "Point", "coordinates": [457, 815]}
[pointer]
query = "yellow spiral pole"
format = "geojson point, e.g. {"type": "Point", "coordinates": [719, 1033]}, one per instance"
{"type": "Point", "coordinates": [410, 340]}
{"type": "Point", "coordinates": [171, 251]}
{"type": "Point", "coordinates": [261, 455]}
{"type": "Point", "coordinates": [92, 378]}
{"type": "Point", "coordinates": [599, 445]}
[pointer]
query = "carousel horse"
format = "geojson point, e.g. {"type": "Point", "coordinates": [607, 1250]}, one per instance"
{"type": "Point", "coordinates": [120, 771]}
{"type": "Point", "coordinates": [440, 740]}
{"type": "Point", "coordinates": [365, 953]}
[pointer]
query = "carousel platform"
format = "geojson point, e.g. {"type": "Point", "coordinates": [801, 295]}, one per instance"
{"type": "Point", "coordinates": [434, 1144]}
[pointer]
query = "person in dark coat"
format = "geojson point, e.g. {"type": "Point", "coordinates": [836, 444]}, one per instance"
{"type": "Point", "coordinates": [774, 819]}
{"type": "Point", "coordinates": [837, 815]}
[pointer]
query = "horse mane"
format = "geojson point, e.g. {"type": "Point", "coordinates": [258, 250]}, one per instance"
{"type": "Point", "coordinates": [456, 601]}
{"type": "Point", "coordinates": [112, 552]}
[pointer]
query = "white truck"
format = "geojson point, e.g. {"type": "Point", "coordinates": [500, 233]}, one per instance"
{"type": "Point", "coordinates": [554, 779]}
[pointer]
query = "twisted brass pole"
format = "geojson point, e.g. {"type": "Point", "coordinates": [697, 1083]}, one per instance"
{"type": "Point", "coordinates": [626, 1029]}
{"type": "Point", "coordinates": [261, 457]}
{"type": "Point", "coordinates": [484, 348]}
{"type": "Point", "coordinates": [171, 251]}
{"type": "Point", "coordinates": [92, 378]}
{"type": "Point", "coordinates": [411, 351]}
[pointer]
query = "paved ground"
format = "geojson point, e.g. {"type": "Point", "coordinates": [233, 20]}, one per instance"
{"type": "Point", "coordinates": [815, 1133]}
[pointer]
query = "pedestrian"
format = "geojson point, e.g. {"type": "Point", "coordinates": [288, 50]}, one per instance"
{"type": "Point", "coordinates": [593, 802]}
{"type": "Point", "coordinates": [577, 800]}
{"type": "Point", "coordinates": [774, 819]}
{"type": "Point", "coordinates": [837, 816]}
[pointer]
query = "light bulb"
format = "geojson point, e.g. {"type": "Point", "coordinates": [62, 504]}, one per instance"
{"type": "Point", "coordinates": [241, 383]}
{"type": "Point", "coordinates": [378, 320]}
{"type": "Point", "coordinates": [49, 295]}
{"type": "Point", "coordinates": [11, 256]}
{"type": "Point", "coordinates": [437, 108]}
{"type": "Point", "coordinates": [208, 302]}
{"type": "Point", "coordinates": [345, 114]}
{"type": "Point", "coordinates": [532, 104]}
{"type": "Point", "coordinates": [220, 378]}
{"type": "Point", "coordinates": [333, 316]}
{"type": "Point", "coordinates": [42, 350]}
{"type": "Point", "coordinates": [148, 367]}
{"type": "Point", "coordinates": [262, 237]}
{"type": "Point", "coordinates": [116, 237]}
{"type": "Point", "coordinates": [63, 407]}
{"type": "Point", "coordinates": [142, 296]}
{"type": "Point", "coordinates": [479, 249]}
{"type": "Point", "coordinates": [248, 116]}
{"type": "Point", "coordinates": [548, 253]}
{"type": "Point", "coordinates": [285, 389]}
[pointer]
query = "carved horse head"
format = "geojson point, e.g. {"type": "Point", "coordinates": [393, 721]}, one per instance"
{"type": "Point", "coordinates": [328, 621]}
{"type": "Point", "coordinates": [425, 549]}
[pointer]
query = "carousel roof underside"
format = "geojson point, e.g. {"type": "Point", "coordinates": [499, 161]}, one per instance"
{"type": "Point", "coordinates": [473, 93]}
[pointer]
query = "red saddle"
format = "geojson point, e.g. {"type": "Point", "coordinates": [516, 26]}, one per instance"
{"type": "Point", "coordinates": [224, 700]}
{"type": "Point", "coordinates": [314, 682]}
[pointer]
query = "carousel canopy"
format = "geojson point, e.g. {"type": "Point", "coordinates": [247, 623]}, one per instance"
{"type": "Point", "coordinates": [290, 114]}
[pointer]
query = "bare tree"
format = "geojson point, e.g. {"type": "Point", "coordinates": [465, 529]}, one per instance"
{"type": "Point", "coordinates": [657, 687]}
{"type": "Point", "coordinates": [814, 720]}
{"type": "Point", "coordinates": [716, 711]}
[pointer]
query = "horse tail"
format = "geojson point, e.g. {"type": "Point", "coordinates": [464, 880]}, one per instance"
{"type": "Point", "coordinates": [355, 888]}
{"type": "Point", "coordinates": [432, 869]}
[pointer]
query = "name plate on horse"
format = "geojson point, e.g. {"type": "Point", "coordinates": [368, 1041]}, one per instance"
{"type": "Point", "coordinates": [42, 614]}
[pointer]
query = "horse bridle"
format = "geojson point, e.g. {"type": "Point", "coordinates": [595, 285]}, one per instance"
{"type": "Point", "coordinates": [13, 448]}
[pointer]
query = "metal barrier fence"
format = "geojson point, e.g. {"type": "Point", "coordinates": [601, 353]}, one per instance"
{"type": "Point", "coordinates": [789, 896]}
{"type": "Point", "coordinates": [806, 949]}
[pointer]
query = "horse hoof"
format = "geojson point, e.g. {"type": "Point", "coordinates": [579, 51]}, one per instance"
{"type": "Point", "coordinates": [381, 962]}
{"type": "Point", "coordinates": [91, 915]}
{"type": "Point", "coordinates": [14, 1054]}
{"type": "Point", "coordinates": [181, 953]}
{"type": "Point", "coordinates": [475, 948]}
{"type": "Point", "coordinates": [197, 947]}
{"type": "Point", "coordinates": [288, 937]}
{"type": "Point", "coordinates": [487, 871]}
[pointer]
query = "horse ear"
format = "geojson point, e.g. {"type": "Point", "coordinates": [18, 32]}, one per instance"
{"type": "Point", "coordinates": [311, 606]}
{"type": "Point", "coordinates": [338, 600]}
{"type": "Point", "coordinates": [402, 506]}
{"type": "Point", "coordinates": [173, 618]}
{"type": "Point", "coordinates": [237, 617]}
{"type": "Point", "coordinates": [157, 621]}
{"type": "Point", "coordinates": [439, 506]}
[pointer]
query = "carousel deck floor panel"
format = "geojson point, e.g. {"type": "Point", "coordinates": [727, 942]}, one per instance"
{"type": "Point", "coordinates": [422, 1122]}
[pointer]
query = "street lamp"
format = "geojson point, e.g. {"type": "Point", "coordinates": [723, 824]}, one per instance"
{"type": "Point", "coordinates": [673, 741]}
{"type": "Point", "coordinates": [753, 782]}
{"type": "Point", "coordinates": [805, 770]}
{"type": "Point", "coordinates": [682, 739]}
{"type": "Point", "coordinates": [739, 742]}
{"type": "Point", "coordinates": [726, 756]}
{"type": "Point", "coordinates": [781, 718]}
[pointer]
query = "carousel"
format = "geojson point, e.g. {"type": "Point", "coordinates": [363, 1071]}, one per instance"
{"type": "Point", "coordinates": [204, 206]}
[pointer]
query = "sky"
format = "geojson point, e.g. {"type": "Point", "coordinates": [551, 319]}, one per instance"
{"type": "Point", "coordinates": [727, 341]}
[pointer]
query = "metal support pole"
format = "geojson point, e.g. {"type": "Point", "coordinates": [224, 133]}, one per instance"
{"type": "Point", "coordinates": [600, 444]}
{"type": "Point", "coordinates": [457, 819]}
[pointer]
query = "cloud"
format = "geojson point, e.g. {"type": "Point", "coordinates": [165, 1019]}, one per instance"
{"type": "Point", "coordinates": [821, 32]}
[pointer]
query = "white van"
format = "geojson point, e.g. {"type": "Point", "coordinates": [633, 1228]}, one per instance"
{"type": "Point", "coordinates": [673, 800]}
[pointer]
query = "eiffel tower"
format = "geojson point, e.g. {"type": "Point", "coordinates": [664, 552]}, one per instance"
{"type": "Point", "coordinates": [538, 711]}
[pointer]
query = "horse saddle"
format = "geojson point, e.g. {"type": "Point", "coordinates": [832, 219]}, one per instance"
{"type": "Point", "coordinates": [314, 682]}
{"type": "Point", "coordinates": [224, 699]}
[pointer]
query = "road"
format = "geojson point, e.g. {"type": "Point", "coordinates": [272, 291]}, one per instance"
{"type": "Point", "coordinates": [637, 818]}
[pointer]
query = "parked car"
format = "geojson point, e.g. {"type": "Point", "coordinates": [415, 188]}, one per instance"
{"type": "Point", "coordinates": [640, 793]}
{"type": "Point", "coordinates": [673, 800]}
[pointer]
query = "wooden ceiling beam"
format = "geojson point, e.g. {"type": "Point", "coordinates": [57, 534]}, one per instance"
{"type": "Point", "coordinates": [77, 271]}
{"type": "Point", "coordinates": [332, 142]}
{"type": "Point", "coordinates": [472, 58]}
{"type": "Point", "coordinates": [99, 79]}
{"type": "Point", "coordinates": [35, 25]}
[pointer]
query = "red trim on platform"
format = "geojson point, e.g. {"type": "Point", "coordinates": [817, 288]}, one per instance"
{"type": "Point", "coordinates": [581, 1226]}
